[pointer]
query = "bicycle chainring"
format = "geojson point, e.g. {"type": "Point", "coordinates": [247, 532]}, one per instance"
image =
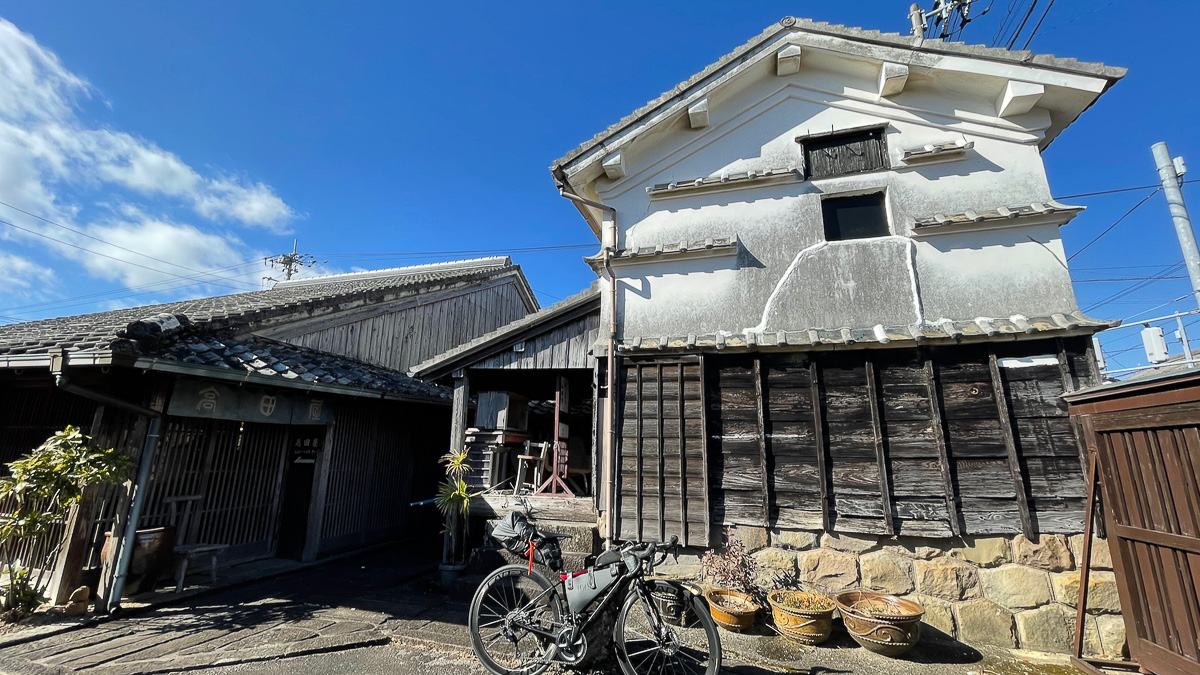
{"type": "Point", "coordinates": [569, 652]}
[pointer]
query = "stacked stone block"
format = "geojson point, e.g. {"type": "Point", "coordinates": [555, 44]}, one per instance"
{"type": "Point", "coordinates": [1003, 591]}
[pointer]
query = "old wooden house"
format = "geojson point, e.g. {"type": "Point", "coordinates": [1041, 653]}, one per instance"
{"type": "Point", "coordinates": [841, 318]}
{"type": "Point", "coordinates": [273, 423]}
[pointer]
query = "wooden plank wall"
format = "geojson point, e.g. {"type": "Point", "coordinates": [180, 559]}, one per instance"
{"type": "Point", "coordinates": [662, 482]}
{"type": "Point", "coordinates": [934, 442]}
{"type": "Point", "coordinates": [402, 337]}
{"type": "Point", "coordinates": [383, 457]}
{"type": "Point", "coordinates": [30, 415]}
{"type": "Point", "coordinates": [565, 346]}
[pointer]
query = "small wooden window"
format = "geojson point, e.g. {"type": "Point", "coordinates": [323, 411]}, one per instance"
{"type": "Point", "coordinates": [857, 217]}
{"type": "Point", "coordinates": [842, 154]}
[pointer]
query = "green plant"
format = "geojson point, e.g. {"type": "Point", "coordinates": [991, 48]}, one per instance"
{"type": "Point", "coordinates": [35, 497]}
{"type": "Point", "coordinates": [454, 502]}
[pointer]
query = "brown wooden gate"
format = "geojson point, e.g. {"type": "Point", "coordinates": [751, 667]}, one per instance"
{"type": "Point", "coordinates": [1146, 438]}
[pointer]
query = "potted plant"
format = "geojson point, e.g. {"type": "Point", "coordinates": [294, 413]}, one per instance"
{"type": "Point", "coordinates": [804, 617]}
{"type": "Point", "coordinates": [454, 503]}
{"type": "Point", "coordinates": [38, 492]}
{"type": "Point", "coordinates": [884, 624]}
{"type": "Point", "coordinates": [731, 603]}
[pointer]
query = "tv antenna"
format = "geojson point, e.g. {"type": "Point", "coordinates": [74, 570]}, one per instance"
{"type": "Point", "coordinates": [290, 263]}
{"type": "Point", "coordinates": [948, 18]}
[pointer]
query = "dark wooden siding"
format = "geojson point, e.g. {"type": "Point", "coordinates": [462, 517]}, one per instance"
{"type": "Point", "coordinates": [404, 334]}
{"type": "Point", "coordinates": [564, 346]}
{"type": "Point", "coordinates": [30, 415]}
{"type": "Point", "coordinates": [935, 442]}
{"type": "Point", "coordinates": [662, 458]}
{"type": "Point", "coordinates": [382, 457]}
{"type": "Point", "coordinates": [840, 154]}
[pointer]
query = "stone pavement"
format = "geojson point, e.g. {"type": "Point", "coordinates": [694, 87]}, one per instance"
{"type": "Point", "coordinates": [377, 614]}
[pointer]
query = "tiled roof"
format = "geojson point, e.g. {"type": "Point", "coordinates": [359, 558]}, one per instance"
{"type": "Point", "coordinates": [478, 347]}
{"type": "Point", "coordinates": [873, 37]}
{"type": "Point", "coordinates": [299, 299]}
{"type": "Point", "coordinates": [997, 214]}
{"type": "Point", "coordinates": [931, 331]}
{"type": "Point", "coordinates": [271, 357]}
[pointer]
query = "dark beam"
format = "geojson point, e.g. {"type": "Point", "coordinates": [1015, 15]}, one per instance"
{"type": "Point", "coordinates": [939, 434]}
{"type": "Point", "coordinates": [762, 441]}
{"type": "Point", "coordinates": [885, 488]}
{"type": "Point", "coordinates": [1010, 443]}
{"type": "Point", "coordinates": [637, 446]}
{"type": "Point", "coordinates": [819, 432]}
{"type": "Point", "coordinates": [662, 464]}
{"type": "Point", "coordinates": [704, 450]}
{"type": "Point", "coordinates": [683, 482]}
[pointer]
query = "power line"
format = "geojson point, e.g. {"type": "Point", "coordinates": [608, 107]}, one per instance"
{"type": "Point", "coordinates": [1039, 25]}
{"type": "Point", "coordinates": [119, 293]}
{"type": "Point", "coordinates": [103, 255]}
{"type": "Point", "coordinates": [1110, 227]}
{"type": "Point", "coordinates": [1021, 27]}
{"type": "Point", "coordinates": [1134, 288]}
{"type": "Point", "coordinates": [1088, 281]}
{"type": "Point", "coordinates": [102, 241]}
{"type": "Point", "coordinates": [482, 251]}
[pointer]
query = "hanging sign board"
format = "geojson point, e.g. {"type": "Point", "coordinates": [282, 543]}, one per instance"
{"type": "Point", "coordinates": [198, 398]}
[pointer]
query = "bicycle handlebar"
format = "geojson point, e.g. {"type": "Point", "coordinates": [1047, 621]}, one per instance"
{"type": "Point", "coordinates": [651, 548]}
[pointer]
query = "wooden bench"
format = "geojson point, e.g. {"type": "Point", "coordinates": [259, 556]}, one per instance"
{"type": "Point", "coordinates": [182, 508]}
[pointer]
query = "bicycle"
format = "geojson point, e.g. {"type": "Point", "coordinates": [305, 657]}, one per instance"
{"type": "Point", "coordinates": [521, 622]}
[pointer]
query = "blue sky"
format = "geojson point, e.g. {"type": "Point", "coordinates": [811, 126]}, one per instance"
{"type": "Point", "coordinates": [204, 136]}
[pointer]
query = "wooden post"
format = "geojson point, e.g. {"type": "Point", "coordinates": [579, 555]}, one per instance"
{"type": "Point", "coordinates": [683, 482]}
{"type": "Point", "coordinates": [458, 411]}
{"type": "Point", "coordinates": [598, 477]}
{"type": "Point", "coordinates": [637, 486]}
{"type": "Point", "coordinates": [819, 433]}
{"type": "Point", "coordinates": [320, 488]}
{"type": "Point", "coordinates": [108, 565]}
{"type": "Point", "coordinates": [1010, 443]}
{"type": "Point", "coordinates": [885, 488]}
{"type": "Point", "coordinates": [76, 534]}
{"type": "Point", "coordinates": [939, 434]}
{"type": "Point", "coordinates": [762, 441]}
{"type": "Point", "coordinates": [662, 462]}
{"type": "Point", "coordinates": [1085, 565]}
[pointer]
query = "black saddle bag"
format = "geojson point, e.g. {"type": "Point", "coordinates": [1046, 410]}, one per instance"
{"type": "Point", "coordinates": [516, 534]}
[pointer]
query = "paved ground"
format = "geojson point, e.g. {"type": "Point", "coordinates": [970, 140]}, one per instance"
{"type": "Point", "coordinates": [370, 615]}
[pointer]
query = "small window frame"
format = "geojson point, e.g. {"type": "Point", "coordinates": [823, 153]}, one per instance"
{"type": "Point", "coordinates": [883, 206]}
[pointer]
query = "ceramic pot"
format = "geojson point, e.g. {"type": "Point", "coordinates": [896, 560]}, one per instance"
{"type": "Point", "coordinates": [884, 624]}
{"type": "Point", "coordinates": [731, 610]}
{"type": "Point", "coordinates": [806, 626]}
{"type": "Point", "coordinates": [450, 574]}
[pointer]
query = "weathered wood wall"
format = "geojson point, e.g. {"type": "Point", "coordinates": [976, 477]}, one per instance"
{"type": "Point", "coordinates": [382, 457]}
{"type": "Point", "coordinates": [564, 346]}
{"type": "Point", "coordinates": [401, 334]}
{"type": "Point", "coordinates": [662, 478]}
{"type": "Point", "coordinates": [933, 442]}
{"type": "Point", "coordinates": [30, 415]}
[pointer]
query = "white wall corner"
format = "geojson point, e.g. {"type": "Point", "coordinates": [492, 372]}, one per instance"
{"type": "Point", "coordinates": [1018, 98]}
{"type": "Point", "coordinates": [787, 60]}
{"type": "Point", "coordinates": [698, 113]}
{"type": "Point", "coordinates": [614, 165]}
{"type": "Point", "coordinates": [892, 78]}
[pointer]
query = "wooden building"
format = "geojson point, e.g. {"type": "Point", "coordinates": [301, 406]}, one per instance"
{"type": "Point", "coordinates": [533, 382]}
{"type": "Point", "coordinates": [842, 319]}
{"type": "Point", "coordinates": [275, 423]}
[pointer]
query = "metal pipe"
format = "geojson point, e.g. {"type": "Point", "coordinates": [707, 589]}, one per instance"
{"type": "Point", "coordinates": [1169, 175]}
{"type": "Point", "coordinates": [610, 400]}
{"type": "Point", "coordinates": [111, 602]}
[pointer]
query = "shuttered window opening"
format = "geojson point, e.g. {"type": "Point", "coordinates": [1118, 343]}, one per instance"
{"type": "Point", "coordinates": [857, 217]}
{"type": "Point", "coordinates": [842, 154]}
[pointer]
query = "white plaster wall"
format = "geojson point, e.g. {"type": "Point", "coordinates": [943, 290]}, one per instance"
{"type": "Point", "coordinates": [785, 278]}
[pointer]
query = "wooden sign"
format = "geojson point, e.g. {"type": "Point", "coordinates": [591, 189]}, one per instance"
{"type": "Point", "coordinates": [199, 398]}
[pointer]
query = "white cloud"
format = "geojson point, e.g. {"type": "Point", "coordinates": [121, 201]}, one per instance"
{"type": "Point", "coordinates": [22, 278]}
{"type": "Point", "coordinates": [178, 248]}
{"type": "Point", "coordinates": [47, 151]}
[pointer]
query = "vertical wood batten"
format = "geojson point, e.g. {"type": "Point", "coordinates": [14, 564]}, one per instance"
{"type": "Point", "coordinates": [683, 480]}
{"type": "Point", "coordinates": [704, 451]}
{"type": "Point", "coordinates": [885, 490]}
{"type": "Point", "coordinates": [819, 433]}
{"type": "Point", "coordinates": [939, 434]}
{"type": "Point", "coordinates": [662, 479]}
{"type": "Point", "coordinates": [1000, 392]}
{"type": "Point", "coordinates": [762, 441]}
{"type": "Point", "coordinates": [638, 449]}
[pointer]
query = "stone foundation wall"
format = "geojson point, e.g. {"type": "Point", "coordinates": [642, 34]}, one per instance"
{"type": "Point", "coordinates": [1004, 591]}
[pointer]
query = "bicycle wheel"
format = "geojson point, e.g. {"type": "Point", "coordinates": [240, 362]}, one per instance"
{"type": "Point", "coordinates": [507, 603]}
{"type": "Point", "coordinates": [691, 650]}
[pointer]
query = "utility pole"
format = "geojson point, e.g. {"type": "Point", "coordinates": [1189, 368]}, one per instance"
{"type": "Point", "coordinates": [1170, 172]}
{"type": "Point", "coordinates": [290, 263]}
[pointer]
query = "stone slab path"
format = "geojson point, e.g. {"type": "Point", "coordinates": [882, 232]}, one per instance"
{"type": "Point", "coordinates": [350, 603]}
